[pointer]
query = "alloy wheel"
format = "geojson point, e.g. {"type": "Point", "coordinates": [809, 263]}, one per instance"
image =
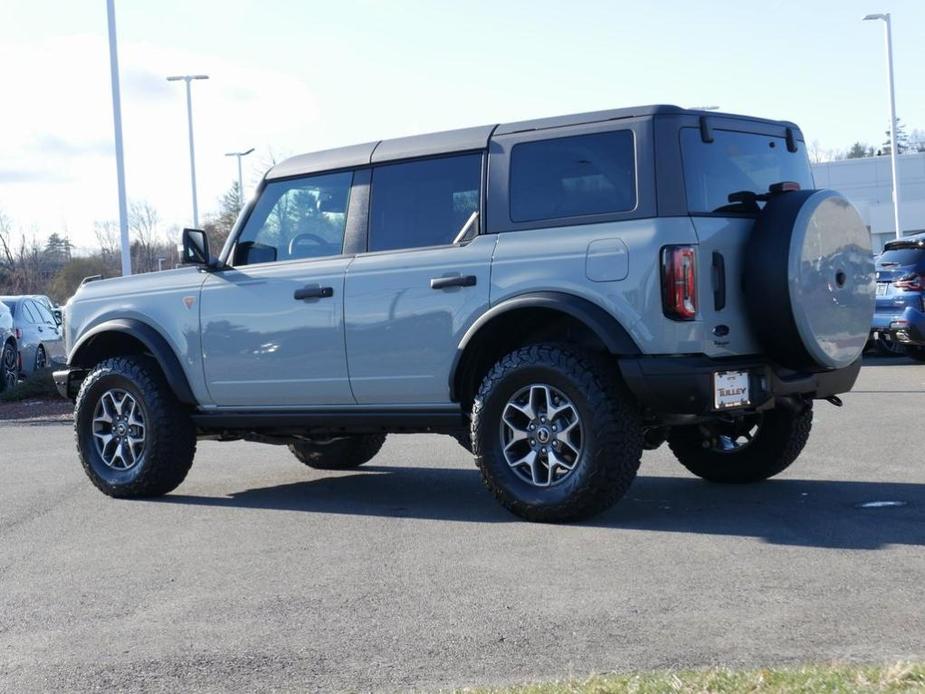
{"type": "Point", "coordinates": [731, 437]}
{"type": "Point", "coordinates": [541, 435]}
{"type": "Point", "coordinates": [119, 429]}
{"type": "Point", "coordinates": [10, 372]}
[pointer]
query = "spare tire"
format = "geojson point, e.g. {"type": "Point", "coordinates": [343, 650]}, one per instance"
{"type": "Point", "coordinates": [809, 280]}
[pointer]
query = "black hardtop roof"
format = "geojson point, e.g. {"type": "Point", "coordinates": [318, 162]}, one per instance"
{"type": "Point", "coordinates": [469, 139]}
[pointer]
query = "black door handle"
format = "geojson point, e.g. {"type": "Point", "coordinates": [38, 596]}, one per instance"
{"type": "Point", "coordinates": [313, 292]}
{"type": "Point", "coordinates": [458, 281]}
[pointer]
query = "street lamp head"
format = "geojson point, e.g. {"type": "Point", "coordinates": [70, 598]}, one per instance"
{"type": "Point", "coordinates": [239, 154]}
{"type": "Point", "coordinates": [178, 78]}
{"type": "Point", "coordinates": [876, 16]}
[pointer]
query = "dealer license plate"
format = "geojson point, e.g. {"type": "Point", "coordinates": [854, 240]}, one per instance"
{"type": "Point", "coordinates": [730, 389]}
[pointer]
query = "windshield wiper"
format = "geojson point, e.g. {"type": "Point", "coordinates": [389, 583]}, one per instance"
{"type": "Point", "coordinates": [747, 200]}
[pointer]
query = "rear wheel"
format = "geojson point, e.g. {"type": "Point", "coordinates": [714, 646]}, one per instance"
{"type": "Point", "coordinates": [41, 359]}
{"type": "Point", "coordinates": [554, 434]}
{"type": "Point", "coordinates": [9, 367]}
{"type": "Point", "coordinates": [751, 449]}
{"type": "Point", "coordinates": [134, 437]}
{"type": "Point", "coordinates": [887, 345]}
{"type": "Point", "coordinates": [342, 453]}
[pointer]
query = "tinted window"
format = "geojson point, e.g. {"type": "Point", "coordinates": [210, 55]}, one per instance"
{"type": "Point", "coordinates": [28, 312]}
{"type": "Point", "coordinates": [902, 257]}
{"type": "Point", "coordinates": [736, 162]}
{"type": "Point", "coordinates": [573, 176]}
{"type": "Point", "coordinates": [423, 203]}
{"type": "Point", "coordinates": [296, 219]}
{"type": "Point", "coordinates": [42, 313]}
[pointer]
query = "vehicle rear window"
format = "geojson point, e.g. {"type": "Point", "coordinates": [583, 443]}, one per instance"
{"type": "Point", "coordinates": [735, 162]}
{"type": "Point", "coordinates": [902, 257]}
{"type": "Point", "coordinates": [573, 176]}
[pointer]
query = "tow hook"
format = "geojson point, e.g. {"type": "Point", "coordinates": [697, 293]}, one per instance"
{"type": "Point", "coordinates": [835, 400]}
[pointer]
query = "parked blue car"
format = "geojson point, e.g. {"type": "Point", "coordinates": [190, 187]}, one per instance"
{"type": "Point", "coordinates": [899, 317]}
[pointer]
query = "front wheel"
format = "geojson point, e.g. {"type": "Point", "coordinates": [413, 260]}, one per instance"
{"type": "Point", "coordinates": [555, 434]}
{"type": "Point", "coordinates": [751, 449]}
{"type": "Point", "coordinates": [134, 438]}
{"type": "Point", "coordinates": [341, 453]}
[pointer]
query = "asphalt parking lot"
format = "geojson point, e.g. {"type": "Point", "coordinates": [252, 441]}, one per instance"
{"type": "Point", "coordinates": [259, 572]}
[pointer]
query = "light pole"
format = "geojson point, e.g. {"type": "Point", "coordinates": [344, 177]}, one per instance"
{"type": "Point", "coordinates": [893, 143]}
{"type": "Point", "coordinates": [117, 127]}
{"type": "Point", "coordinates": [240, 178]}
{"type": "Point", "coordinates": [192, 152]}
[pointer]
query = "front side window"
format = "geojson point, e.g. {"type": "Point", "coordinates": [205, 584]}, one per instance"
{"type": "Point", "coordinates": [573, 176]}
{"type": "Point", "coordinates": [296, 219]}
{"type": "Point", "coordinates": [737, 162]}
{"type": "Point", "coordinates": [423, 203]}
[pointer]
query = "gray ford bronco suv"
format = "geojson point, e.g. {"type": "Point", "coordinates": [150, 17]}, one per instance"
{"type": "Point", "coordinates": [558, 294]}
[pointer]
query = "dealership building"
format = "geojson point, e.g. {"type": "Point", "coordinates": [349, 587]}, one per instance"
{"type": "Point", "coordinates": [867, 183]}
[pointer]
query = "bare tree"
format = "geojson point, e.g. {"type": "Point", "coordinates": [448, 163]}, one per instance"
{"type": "Point", "coordinates": [144, 224]}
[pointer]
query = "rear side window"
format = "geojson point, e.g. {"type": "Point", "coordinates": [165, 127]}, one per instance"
{"type": "Point", "coordinates": [27, 312]}
{"type": "Point", "coordinates": [423, 203]}
{"type": "Point", "coordinates": [573, 176]}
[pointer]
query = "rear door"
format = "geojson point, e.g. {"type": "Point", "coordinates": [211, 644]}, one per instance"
{"type": "Point", "coordinates": [731, 162]}
{"type": "Point", "coordinates": [272, 324]}
{"type": "Point", "coordinates": [410, 298]}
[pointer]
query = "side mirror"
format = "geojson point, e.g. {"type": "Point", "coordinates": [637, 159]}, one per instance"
{"type": "Point", "coordinates": [195, 248]}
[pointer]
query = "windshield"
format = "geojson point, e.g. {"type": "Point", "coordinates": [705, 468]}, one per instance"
{"type": "Point", "coordinates": [736, 162]}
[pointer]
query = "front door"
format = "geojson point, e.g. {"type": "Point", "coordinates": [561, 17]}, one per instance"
{"type": "Point", "coordinates": [273, 324]}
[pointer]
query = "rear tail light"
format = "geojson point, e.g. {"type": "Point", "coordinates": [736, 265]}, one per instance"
{"type": "Point", "coordinates": [911, 282]}
{"type": "Point", "coordinates": [679, 282]}
{"type": "Point", "coordinates": [18, 333]}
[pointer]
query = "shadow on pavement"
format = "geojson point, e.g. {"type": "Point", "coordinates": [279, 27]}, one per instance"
{"type": "Point", "coordinates": [813, 513]}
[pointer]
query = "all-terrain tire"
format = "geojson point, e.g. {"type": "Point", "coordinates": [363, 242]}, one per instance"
{"type": "Point", "coordinates": [781, 435]}
{"type": "Point", "coordinates": [169, 433]}
{"type": "Point", "coordinates": [341, 453]}
{"type": "Point", "coordinates": [611, 445]}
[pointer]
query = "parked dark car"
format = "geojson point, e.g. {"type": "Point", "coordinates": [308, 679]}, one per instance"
{"type": "Point", "coordinates": [898, 325]}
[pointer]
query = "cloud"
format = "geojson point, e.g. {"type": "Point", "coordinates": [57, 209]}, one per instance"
{"type": "Point", "coordinates": [54, 146]}
{"type": "Point", "coordinates": [62, 129]}
{"type": "Point", "coordinates": [43, 176]}
{"type": "Point", "coordinates": [143, 84]}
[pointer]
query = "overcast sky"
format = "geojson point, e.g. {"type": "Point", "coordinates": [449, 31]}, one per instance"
{"type": "Point", "coordinates": [296, 76]}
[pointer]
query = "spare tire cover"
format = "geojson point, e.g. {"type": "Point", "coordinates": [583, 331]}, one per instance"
{"type": "Point", "coordinates": [809, 282]}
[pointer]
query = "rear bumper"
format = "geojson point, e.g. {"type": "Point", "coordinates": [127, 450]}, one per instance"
{"type": "Point", "coordinates": [907, 327]}
{"type": "Point", "coordinates": [684, 385]}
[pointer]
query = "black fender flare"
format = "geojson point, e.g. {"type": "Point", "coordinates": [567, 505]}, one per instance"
{"type": "Point", "coordinates": [608, 329]}
{"type": "Point", "coordinates": [153, 341]}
